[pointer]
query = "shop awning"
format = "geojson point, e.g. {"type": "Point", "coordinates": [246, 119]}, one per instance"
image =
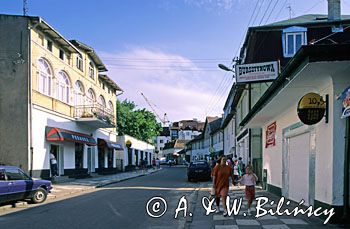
{"type": "Point", "coordinates": [58, 134]}
{"type": "Point", "coordinates": [109, 144]}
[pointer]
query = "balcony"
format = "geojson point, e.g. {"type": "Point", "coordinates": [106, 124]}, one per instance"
{"type": "Point", "coordinates": [95, 116]}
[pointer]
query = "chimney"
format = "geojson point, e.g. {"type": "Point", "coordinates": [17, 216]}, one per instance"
{"type": "Point", "coordinates": [334, 10]}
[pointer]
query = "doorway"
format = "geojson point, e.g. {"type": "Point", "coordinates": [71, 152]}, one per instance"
{"type": "Point", "coordinates": [79, 156]}
{"type": "Point", "coordinates": [55, 150]}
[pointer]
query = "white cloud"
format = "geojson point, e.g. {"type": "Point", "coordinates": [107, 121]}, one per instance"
{"type": "Point", "coordinates": [175, 84]}
{"type": "Point", "coordinates": [215, 5]}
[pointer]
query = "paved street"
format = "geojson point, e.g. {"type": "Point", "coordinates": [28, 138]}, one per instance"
{"type": "Point", "coordinates": [123, 205]}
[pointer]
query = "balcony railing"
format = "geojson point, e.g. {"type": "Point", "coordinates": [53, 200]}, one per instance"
{"type": "Point", "coordinates": [95, 111]}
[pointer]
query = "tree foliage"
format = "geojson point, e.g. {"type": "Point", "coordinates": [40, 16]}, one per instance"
{"type": "Point", "coordinates": [138, 123]}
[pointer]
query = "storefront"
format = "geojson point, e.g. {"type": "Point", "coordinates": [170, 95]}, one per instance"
{"type": "Point", "coordinates": [61, 141]}
{"type": "Point", "coordinates": [107, 156]}
{"type": "Point", "coordinates": [307, 161]}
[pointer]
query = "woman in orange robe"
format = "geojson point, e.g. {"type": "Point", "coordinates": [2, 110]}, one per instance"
{"type": "Point", "coordinates": [221, 175]}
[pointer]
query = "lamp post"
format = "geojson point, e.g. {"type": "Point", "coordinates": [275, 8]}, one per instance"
{"type": "Point", "coordinates": [225, 68]}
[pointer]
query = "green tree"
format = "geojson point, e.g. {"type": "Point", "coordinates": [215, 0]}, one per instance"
{"type": "Point", "coordinates": [139, 123]}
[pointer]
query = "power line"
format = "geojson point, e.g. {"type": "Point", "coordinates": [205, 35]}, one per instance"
{"type": "Point", "coordinates": [258, 12]}
{"type": "Point", "coordinates": [265, 12]}
{"type": "Point", "coordinates": [279, 12]}
{"type": "Point", "coordinates": [273, 8]}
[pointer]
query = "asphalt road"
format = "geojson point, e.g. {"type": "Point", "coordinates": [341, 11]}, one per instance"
{"type": "Point", "coordinates": [122, 205]}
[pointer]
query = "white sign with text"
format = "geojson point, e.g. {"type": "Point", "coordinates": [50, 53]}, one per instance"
{"type": "Point", "coordinates": [247, 73]}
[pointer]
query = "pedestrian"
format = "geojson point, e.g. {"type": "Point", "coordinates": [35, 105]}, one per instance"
{"type": "Point", "coordinates": [221, 175]}
{"type": "Point", "coordinates": [249, 180]}
{"type": "Point", "coordinates": [241, 165]}
{"type": "Point", "coordinates": [158, 163]}
{"type": "Point", "coordinates": [53, 164]}
{"type": "Point", "coordinates": [153, 163]}
{"type": "Point", "coordinates": [229, 162]}
{"type": "Point", "coordinates": [237, 172]}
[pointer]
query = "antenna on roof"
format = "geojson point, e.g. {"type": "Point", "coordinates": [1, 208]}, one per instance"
{"type": "Point", "coordinates": [290, 11]}
{"type": "Point", "coordinates": [25, 7]}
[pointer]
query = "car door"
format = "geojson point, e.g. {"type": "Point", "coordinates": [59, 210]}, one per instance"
{"type": "Point", "coordinates": [20, 185]}
{"type": "Point", "coordinates": [4, 186]}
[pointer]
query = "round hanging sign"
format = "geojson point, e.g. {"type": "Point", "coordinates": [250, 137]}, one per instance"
{"type": "Point", "coordinates": [128, 143]}
{"type": "Point", "coordinates": [311, 108]}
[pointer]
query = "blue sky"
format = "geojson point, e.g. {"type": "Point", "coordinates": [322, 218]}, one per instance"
{"type": "Point", "coordinates": [167, 49]}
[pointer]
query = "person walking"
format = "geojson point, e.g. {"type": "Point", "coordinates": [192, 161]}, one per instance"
{"type": "Point", "coordinates": [249, 180]}
{"type": "Point", "coordinates": [53, 164]}
{"type": "Point", "coordinates": [153, 163]}
{"type": "Point", "coordinates": [221, 175]}
{"type": "Point", "coordinates": [237, 173]}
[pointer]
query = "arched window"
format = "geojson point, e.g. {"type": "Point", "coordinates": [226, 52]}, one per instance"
{"type": "Point", "coordinates": [78, 93]}
{"type": "Point", "coordinates": [110, 107]}
{"type": "Point", "coordinates": [102, 101]}
{"type": "Point", "coordinates": [63, 86]}
{"type": "Point", "coordinates": [91, 70]}
{"type": "Point", "coordinates": [44, 77]}
{"type": "Point", "coordinates": [91, 97]}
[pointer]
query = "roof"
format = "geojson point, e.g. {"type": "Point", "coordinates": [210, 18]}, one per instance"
{"type": "Point", "coordinates": [306, 54]}
{"type": "Point", "coordinates": [215, 125]}
{"type": "Point", "coordinates": [91, 52]}
{"type": "Point", "coordinates": [110, 82]}
{"type": "Point", "coordinates": [307, 19]}
{"type": "Point", "coordinates": [303, 20]}
{"type": "Point", "coordinates": [176, 144]}
{"type": "Point", "coordinates": [48, 30]}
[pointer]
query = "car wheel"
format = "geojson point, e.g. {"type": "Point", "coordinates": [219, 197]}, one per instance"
{"type": "Point", "coordinates": [39, 196]}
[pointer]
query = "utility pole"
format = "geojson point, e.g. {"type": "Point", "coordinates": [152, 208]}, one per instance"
{"type": "Point", "coordinates": [25, 7]}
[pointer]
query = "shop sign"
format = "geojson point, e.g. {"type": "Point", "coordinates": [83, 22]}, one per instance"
{"type": "Point", "coordinates": [247, 73]}
{"type": "Point", "coordinates": [128, 143]}
{"type": "Point", "coordinates": [311, 108]}
{"type": "Point", "coordinates": [345, 97]}
{"type": "Point", "coordinates": [271, 135]}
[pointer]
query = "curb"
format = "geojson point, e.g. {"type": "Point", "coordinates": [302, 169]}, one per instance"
{"type": "Point", "coordinates": [100, 185]}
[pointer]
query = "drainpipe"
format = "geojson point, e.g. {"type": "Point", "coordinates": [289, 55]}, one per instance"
{"type": "Point", "coordinates": [346, 171]}
{"type": "Point", "coordinates": [249, 130]}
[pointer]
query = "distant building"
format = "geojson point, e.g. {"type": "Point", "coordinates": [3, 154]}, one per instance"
{"type": "Point", "coordinates": [161, 140]}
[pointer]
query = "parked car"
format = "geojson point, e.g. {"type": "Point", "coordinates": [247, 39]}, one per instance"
{"type": "Point", "coordinates": [17, 185]}
{"type": "Point", "coordinates": [163, 161]}
{"type": "Point", "coordinates": [171, 162]}
{"type": "Point", "coordinates": [198, 170]}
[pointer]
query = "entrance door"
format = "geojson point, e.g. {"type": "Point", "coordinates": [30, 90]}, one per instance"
{"type": "Point", "coordinates": [299, 152]}
{"type": "Point", "coordinates": [79, 156]}
{"type": "Point", "coordinates": [101, 157]}
{"type": "Point", "coordinates": [55, 149]}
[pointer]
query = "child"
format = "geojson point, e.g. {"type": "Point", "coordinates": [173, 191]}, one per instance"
{"type": "Point", "coordinates": [249, 180]}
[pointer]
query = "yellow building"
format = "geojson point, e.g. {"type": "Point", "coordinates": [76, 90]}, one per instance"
{"type": "Point", "coordinates": [54, 97]}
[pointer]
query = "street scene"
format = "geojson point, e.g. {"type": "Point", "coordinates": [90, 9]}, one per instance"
{"type": "Point", "coordinates": [175, 114]}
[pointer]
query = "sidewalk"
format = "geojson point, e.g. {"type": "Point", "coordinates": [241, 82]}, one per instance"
{"type": "Point", "coordinates": [80, 185]}
{"type": "Point", "coordinates": [243, 220]}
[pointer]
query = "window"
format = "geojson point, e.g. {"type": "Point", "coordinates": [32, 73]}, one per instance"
{"type": "Point", "coordinates": [79, 62]}
{"type": "Point", "coordinates": [91, 96]}
{"type": "Point", "coordinates": [161, 141]}
{"type": "Point", "coordinates": [292, 39]}
{"type": "Point", "coordinates": [63, 86]}
{"type": "Point", "coordinates": [102, 101]}
{"type": "Point", "coordinates": [44, 77]}
{"type": "Point", "coordinates": [110, 107]}
{"type": "Point", "coordinates": [15, 174]}
{"type": "Point", "coordinates": [91, 70]}
{"type": "Point", "coordinates": [49, 45]}
{"type": "Point", "coordinates": [61, 54]}
{"type": "Point", "coordinates": [41, 40]}
{"type": "Point", "coordinates": [78, 93]}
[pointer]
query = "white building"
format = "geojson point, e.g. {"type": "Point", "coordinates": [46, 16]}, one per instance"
{"type": "Point", "coordinates": [307, 161]}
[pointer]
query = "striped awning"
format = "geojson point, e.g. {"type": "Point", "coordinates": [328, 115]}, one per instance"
{"type": "Point", "coordinates": [58, 134]}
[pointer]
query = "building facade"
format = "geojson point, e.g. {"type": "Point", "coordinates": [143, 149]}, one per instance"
{"type": "Point", "coordinates": [60, 102]}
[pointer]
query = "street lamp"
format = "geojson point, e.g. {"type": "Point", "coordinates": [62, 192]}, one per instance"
{"type": "Point", "coordinates": [225, 68]}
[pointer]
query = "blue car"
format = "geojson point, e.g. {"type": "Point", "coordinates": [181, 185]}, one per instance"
{"type": "Point", "coordinates": [17, 185]}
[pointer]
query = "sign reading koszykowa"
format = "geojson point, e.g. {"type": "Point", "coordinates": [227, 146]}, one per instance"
{"type": "Point", "coordinates": [247, 73]}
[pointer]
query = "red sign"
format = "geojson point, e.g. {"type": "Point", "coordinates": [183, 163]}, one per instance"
{"type": "Point", "coordinates": [271, 135]}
